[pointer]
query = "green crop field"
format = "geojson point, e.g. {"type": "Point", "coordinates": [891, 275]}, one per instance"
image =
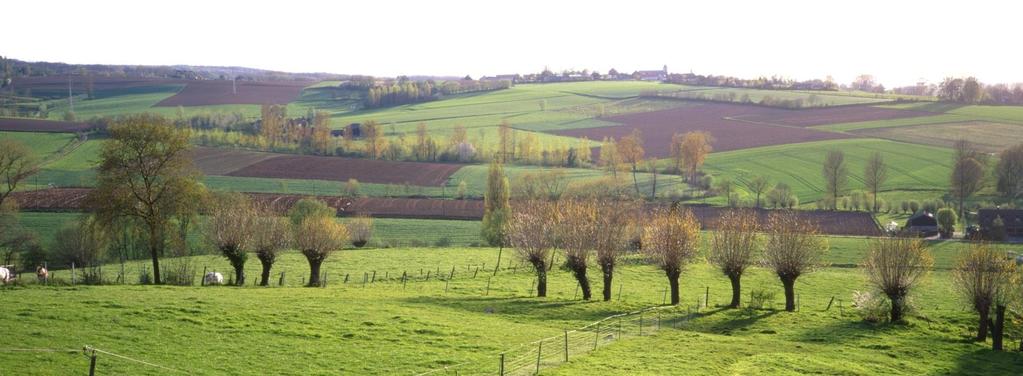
{"type": "Point", "coordinates": [912, 167]}
{"type": "Point", "coordinates": [986, 136]}
{"type": "Point", "coordinates": [41, 145]}
{"type": "Point", "coordinates": [384, 327]}
{"type": "Point", "coordinates": [822, 98]}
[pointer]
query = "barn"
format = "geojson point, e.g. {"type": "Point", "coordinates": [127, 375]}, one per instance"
{"type": "Point", "coordinates": [923, 223]}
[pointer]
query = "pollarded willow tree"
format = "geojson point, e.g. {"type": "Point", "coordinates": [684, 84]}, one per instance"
{"type": "Point", "coordinates": [531, 231]}
{"type": "Point", "coordinates": [613, 223]}
{"type": "Point", "coordinates": [793, 248]}
{"type": "Point", "coordinates": [671, 239]}
{"type": "Point", "coordinates": [575, 231]}
{"type": "Point", "coordinates": [317, 237]}
{"type": "Point", "coordinates": [984, 278]}
{"type": "Point", "coordinates": [734, 247]}
{"type": "Point", "coordinates": [229, 228]}
{"type": "Point", "coordinates": [895, 266]}
{"type": "Point", "coordinates": [270, 235]}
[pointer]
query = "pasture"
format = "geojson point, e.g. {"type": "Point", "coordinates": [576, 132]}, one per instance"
{"type": "Point", "coordinates": [383, 327]}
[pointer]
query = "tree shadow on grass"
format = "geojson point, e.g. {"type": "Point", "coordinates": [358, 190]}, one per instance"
{"type": "Point", "coordinates": [538, 308]}
{"type": "Point", "coordinates": [989, 362]}
{"type": "Point", "coordinates": [849, 328]}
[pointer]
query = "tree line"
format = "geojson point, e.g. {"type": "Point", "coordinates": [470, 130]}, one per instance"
{"type": "Point", "coordinates": [405, 91]}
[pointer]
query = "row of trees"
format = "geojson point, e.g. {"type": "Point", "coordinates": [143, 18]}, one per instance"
{"type": "Point", "coordinates": [408, 91]}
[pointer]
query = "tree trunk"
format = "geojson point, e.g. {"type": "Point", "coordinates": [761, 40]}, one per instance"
{"type": "Point", "coordinates": [790, 293]}
{"type": "Point", "coordinates": [982, 326]}
{"type": "Point", "coordinates": [634, 181]}
{"type": "Point", "coordinates": [673, 281]}
{"type": "Point", "coordinates": [998, 328]}
{"type": "Point", "coordinates": [314, 272]}
{"type": "Point", "coordinates": [239, 274]}
{"type": "Point", "coordinates": [608, 270]}
{"type": "Point", "coordinates": [897, 304]}
{"type": "Point", "coordinates": [584, 283]}
{"type": "Point", "coordinates": [541, 277]}
{"type": "Point", "coordinates": [736, 290]}
{"type": "Point", "coordinates": [264, 277]}
{"type": "Point", "coordinates": [154, 250]}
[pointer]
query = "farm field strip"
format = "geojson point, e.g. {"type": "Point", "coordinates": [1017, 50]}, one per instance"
{"type": "Point", "coordinates": [342, 169]}
{"type": "Point", "coordinates": [799, 165]}
{"type": "Point", "coordinates": [40, 125]}
{"type": "Point", "coordinates": [987, 136]}
{"type": "Point", "coordinates": [216, 92]}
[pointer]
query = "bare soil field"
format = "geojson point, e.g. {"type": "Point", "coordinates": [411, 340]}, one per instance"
{"type": "Point", "coordinates": [214, 92]}
{"type": "Point", "coordinates": [657, 128]}
{"type": "Point", "coordinates": [73, 199]}
{"type": "Point", "coordinates": [37, 125]}
{"type": "Point", "coordinates": [829, 115]}
{"type": "Point", "coordinates": [60, 83]}
{"type": "Point", "coordinates": [342, 169]}
{"type": "Point", "coordinates": [987, 136]}
{"type": "Point", "coordinates": [221, 161]}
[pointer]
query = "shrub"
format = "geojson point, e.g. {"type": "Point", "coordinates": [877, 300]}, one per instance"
{"type": "Point", "coordinates": [758, 298]}
{"type": "Point", "coordinates": [443, 242]}
{"type": "Point", "coordinates": [946, 222]}
{"type": "Point", "coordinates": [914, 206]}
{"type": "Point", "coordinates": [998, 229]}
{"type": "Point", "coordinates": [871, 307]}
{"type": "Point", "coordinates": [352, 188]}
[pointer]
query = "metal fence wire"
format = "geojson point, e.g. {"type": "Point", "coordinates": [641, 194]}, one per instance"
{"type": "Point", "coordinates": [531, 358]}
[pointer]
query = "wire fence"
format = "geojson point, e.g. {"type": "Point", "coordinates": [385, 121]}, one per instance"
{"type": "Point", "coordinates": [93, 355]}
{"type": "Point", "coordinates": [531, 358]}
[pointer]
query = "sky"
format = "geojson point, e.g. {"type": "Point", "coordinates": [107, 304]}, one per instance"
{"type": "Point", "coordinates": [899, 42]}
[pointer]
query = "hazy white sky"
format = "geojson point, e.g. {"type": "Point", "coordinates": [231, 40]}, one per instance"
{"type": "Point", "coordinates": [897, 41]}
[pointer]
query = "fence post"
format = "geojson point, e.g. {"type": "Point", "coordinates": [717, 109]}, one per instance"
{"type": "Point", "coordinates": [280, 282]}
{"type": "Point", "coordinates": [641, 324]}
{"type": "Point", "coordinates": [374, 277]}
{"type": "Point", "coordinates": [346, 278]}
{"type": "Point", "coordinates": [404, 278]}
{"type": "Point", "coordinates": [829, 303]}
{"type": "Point", "coordinates": [92, 361]}
{"type": "Point", "coordinates": [539, 351]}
{"type": "Point", "coordinates": [452, 275]}
{"type": "Point", "coordinates": [620, 291]}
{"type": "Point", "coordinates": [488, 287]}
{"type": "Point", "coordinates": [706, 298]}
{"type": "Point", "coordinates": [566, 346]}
{"type": "Point", "coordinates": [474, 272]}
{"type": "Point", "coordinates": [72, 273]}
{"type": "Point", "coordinates": [202, 282]}
{"type": "Point", "coordinates": [446, 285]}
{"type": "Point", "coordinates": [502, 365]}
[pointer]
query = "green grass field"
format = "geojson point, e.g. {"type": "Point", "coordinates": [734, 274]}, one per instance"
{"type": "Point", "coordinates": [42, 145]}
{"type": "Point", "coordinates": [383, 328]}
{"type": "Point", "coordinates": [911, 167]}
{"type": "Point", "coordinates": [819, 99]}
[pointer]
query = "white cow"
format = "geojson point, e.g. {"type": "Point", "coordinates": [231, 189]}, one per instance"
{"type": "Point", "coordinates": [5, 275]}
{"type": "Point", "coordinates": [214, 278]}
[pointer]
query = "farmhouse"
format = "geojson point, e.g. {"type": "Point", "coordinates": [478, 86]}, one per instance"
{"type": "Point", "coordinates": [923, 223]}
{"type": "Point", "coordinates": [1012, 218]}
{"type": "Point", "coordinates": [652, 75]}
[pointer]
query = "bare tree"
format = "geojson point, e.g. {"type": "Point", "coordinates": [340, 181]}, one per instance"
{"type": "Point", "coordinates": [875, 173]}
{"type": "Point", "coordinates": [16, 164]}
{"type": "Point", "coordinates": [693, 149]}
{"type": "Point", "coordinates": [614, 223]}
{"type": "Point", "coordinates": [734, 245]}
{"type": "Point", "coordinates": [317, 237]}
{"type": "Point", "coordinates": [983, 276]}
{"type": "Point", "coordinates": [576, 231]}
{"type": "Point", "coordinates": [792, 250]}
{"type": "Point", "coordinates": [895, 266]}
{"type": "Point", "coordinates": [270, 235]}
{"type": "Point", "coordinates": [758, 185]}
{"type": "Point", "coordinates": [835, 174]}
{"type": "Point", "coordinates": [967, 173]}
{"type": "Point", "coordinates": [672, 239]}
{"type": "Point", "coordinates": [531, 232]}
{"type": "Point", "coordinates": [230, 229]}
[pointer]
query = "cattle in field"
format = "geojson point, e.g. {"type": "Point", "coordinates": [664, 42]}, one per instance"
{"type": "Point", "coordinates": [213, 278]}
{"type": "Point", "coordinates": [42, 274]}
{"type": "Point", "coordinates": [5, 275]}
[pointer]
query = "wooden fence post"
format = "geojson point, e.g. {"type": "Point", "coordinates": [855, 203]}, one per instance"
{"type": "Point", "coordinates": [566, 346]}
{"type": "Point", "coordinates": [502, 365]}
{"type": "Point", "coordinates": [92, 361]}
{"type": "Point", "coordinates": [488, 287]}
{"type": "Point", "coordinates": [539, 350]}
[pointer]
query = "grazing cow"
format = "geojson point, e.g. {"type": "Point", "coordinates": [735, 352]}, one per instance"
{"type": "Point", "coordinates": [42, 274]}
{"type": "Point", "coordinates": [5, 275]}
{"type": "Point", "coordinates": [213, 278]}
